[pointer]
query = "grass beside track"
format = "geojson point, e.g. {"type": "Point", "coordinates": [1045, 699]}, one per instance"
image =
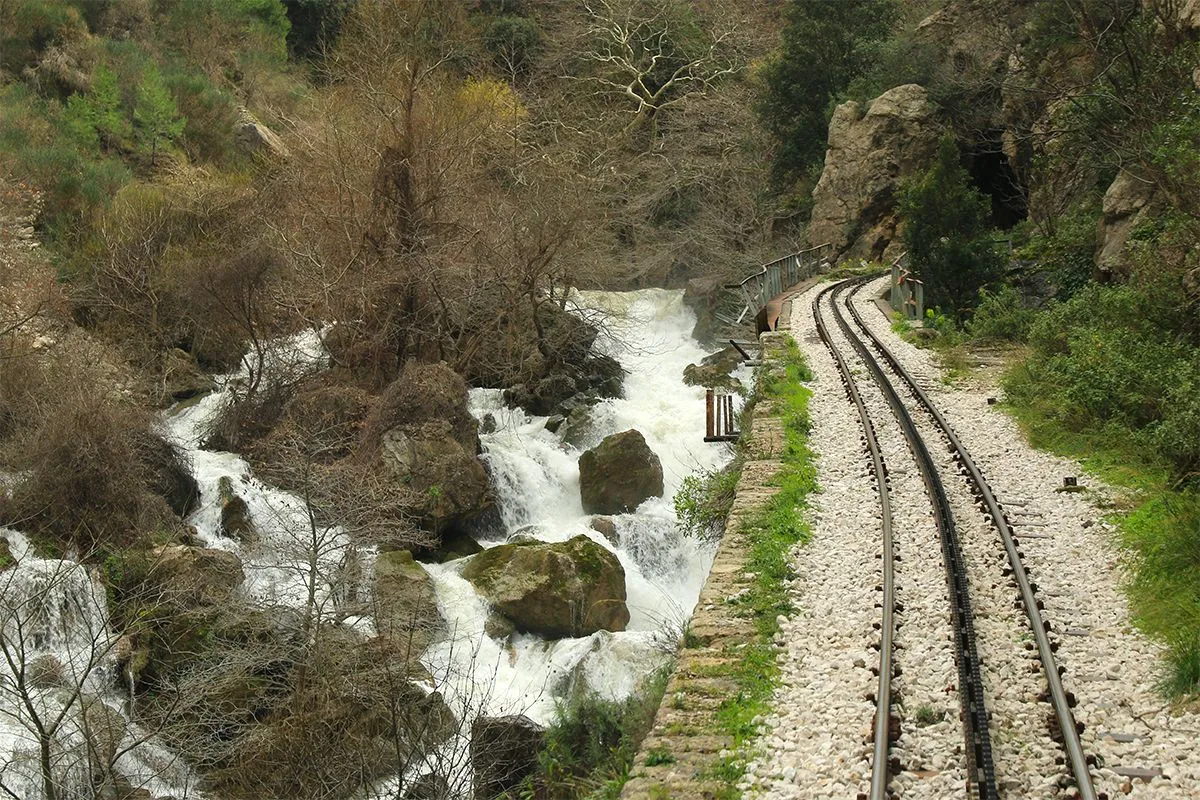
{"type": "Point", "coordinates": [773, 532]}
{"type": "Point", "coordinates": [1158, 526]}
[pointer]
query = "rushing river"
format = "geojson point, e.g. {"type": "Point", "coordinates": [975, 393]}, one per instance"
{"type": "Point", "coordinates": [536, 479]}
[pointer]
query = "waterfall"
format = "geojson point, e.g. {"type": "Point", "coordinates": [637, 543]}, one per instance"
{"type": "Point", "coordinates": [536, 478]}
{"type": "Point", "coordinates": [59, 686]}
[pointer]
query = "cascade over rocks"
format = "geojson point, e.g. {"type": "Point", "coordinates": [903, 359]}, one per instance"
{"type": "Point", "coordinates": [559, 589]}
{"type": "Point", "coordinates": [871, 150]}
{"type": "Point", "coordinates": [619, 474]}
{"type": "Point", "coordinates": [504, 752]}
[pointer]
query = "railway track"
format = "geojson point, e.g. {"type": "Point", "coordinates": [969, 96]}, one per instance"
{"type": "Point", "coordinates": [880, 363]}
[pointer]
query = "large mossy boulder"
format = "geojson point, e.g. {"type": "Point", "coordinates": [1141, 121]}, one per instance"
{"type": "Point", "coordinates": [425, 393]}
{"type": "Point", "coordinates": [194, 576]}
{"type": "Point", "coordinates": [422, 432]}
{"type": "Point", "coordinates": [406, 609]}
{"type": "Point", "coordinates": [504, 753]}
{"type": "Point", "coordinates": [445, 484]}
{"type": "Point", "coordinates": [559, 589]}
{"type": "Point", "coordinates": [619, 474]}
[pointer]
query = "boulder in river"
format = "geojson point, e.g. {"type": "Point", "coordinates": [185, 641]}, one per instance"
{"type": "Point", "coordinates": [168, 473]}
{"type": "Point", "coordinates": [619, 474]}
{"type": "Point", "coordinates": [194, 576]}
{"type": "Point", "coordinates": [504, 752]}
{"type": "Point", "coordinates": [606, 527]}
{"type": "Point", "coordinates": [558, 589]}
{"type": "Point", "coordinates": [235, 514]}
{"type": "Point", "coordinates": [405, 602]}
{"type": "Point", "coordinates": [425, 436]}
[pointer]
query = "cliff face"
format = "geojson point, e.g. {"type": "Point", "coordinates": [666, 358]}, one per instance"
{"type": "Point", "coordinates": [870, 152]}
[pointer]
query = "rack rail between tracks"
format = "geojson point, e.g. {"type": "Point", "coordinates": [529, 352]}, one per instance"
{"type": "Point", "coordinates": [1059, 700]}
{"type": "Point", "coordinates": [977, 736]}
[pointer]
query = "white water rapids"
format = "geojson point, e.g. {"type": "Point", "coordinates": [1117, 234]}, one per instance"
{"type": "Point", "coordinates": [536, 480]}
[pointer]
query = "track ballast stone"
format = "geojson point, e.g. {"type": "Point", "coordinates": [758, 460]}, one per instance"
{"type": "Point", "coordinates": [1069, 548]}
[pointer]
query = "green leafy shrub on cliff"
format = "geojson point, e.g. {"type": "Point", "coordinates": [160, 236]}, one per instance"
{"type": "Point", "coordinates": [948, 233]}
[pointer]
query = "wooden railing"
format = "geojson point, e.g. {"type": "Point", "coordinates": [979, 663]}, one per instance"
{"type": "Point", "coordinates": [770, 281]}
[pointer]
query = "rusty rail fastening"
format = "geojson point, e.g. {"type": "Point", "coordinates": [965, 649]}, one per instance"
{"type": "Point", "coordinates": [981, 767]}
{"type": "Point", "coordinates": [881, 729]}
{"type": "Point", "coordinates": [1059, 699]}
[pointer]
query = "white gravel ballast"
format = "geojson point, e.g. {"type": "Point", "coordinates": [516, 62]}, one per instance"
{"type": "Point", "coordinates": [816, 744]}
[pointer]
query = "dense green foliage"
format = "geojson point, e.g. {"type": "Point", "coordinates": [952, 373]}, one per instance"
{"type": "Point", "coordinates": [112, 87]}
{"type": "Point", "coordinates": [948, 233]}
{"type": "Point", "coordinates": [590, 747]}
{"type": "Point", "coordinates": [825, 46]}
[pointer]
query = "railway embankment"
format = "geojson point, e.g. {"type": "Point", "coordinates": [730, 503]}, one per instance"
{"type": "Point", "coordinates": [727, 665]}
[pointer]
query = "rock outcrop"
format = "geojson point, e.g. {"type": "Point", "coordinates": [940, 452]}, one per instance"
{"type": "Point", "coordinates": [504, 752]}
{"type": "Point", "coordinates": [870, 152]}
{"type": "Point", "coordinates": [619, 474]}
{"type": "Point", "coordinates": [428, 440]}
{"type": "Point", "coordinates": [256, 138]}
{"type": "Point", "coordinates": [557, 590]}
{"type": "Point", "coordinates": [1127, 202]}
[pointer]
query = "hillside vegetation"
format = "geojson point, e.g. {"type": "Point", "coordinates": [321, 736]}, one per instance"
{"type": "Point", "coordinates": [185, 184]}
{"type": "Point", "coordinates": [1060, 212]}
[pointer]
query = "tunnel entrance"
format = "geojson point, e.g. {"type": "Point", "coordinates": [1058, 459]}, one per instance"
{"type": "Point", "coordinates": [993, 175]}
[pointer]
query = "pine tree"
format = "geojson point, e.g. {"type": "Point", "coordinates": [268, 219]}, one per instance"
{"type": "Point", "coordinates": [95, 119]}
{"type": "Point", "coordinates": [105, 97]}
{"type": "Point", "coordinates": [824, 46]}
{"type": "Point", "coordinates": [155, 115]}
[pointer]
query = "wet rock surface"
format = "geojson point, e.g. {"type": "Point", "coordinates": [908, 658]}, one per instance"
{"type": "Point", "coordinates": [619, 474]}
{"type": "Point", "coordinates": [571, 588]}
{"type": "Point", "coordinates": [504, 752]}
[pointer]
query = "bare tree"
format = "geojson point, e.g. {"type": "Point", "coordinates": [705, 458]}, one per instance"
{"type": "Point", "coordinates": [654, 56]}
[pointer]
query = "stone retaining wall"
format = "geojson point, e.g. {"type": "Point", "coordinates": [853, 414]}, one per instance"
{"type": "Point", "coordinates": [683, 748]}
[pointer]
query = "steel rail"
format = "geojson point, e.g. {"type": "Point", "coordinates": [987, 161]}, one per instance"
{"type": "Point", "coordinates": [883, 695]}
{"type": "Point", "coordinates": [970, 680]}
{"type": "Point", "coordinates": [1058, 696]}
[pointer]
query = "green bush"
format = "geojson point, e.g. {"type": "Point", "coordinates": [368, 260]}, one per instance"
{"type": "Point", "coordinates": [591, 746]}
{"type": "Point", "coordinates": [947, 233]}
{"type": "Point", "coordinates": [1110, 357]}
{"type": "Point", "coordinates": [703, 502]}
{"type": "Point", "coordinates": [1065, 251]}
{"type": "Point", "coordinates": [1001, 316]}
{"type": "Point", "coordinates": [209, 117]}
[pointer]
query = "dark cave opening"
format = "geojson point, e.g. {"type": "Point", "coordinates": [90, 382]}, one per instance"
{"type": "Point", "coordinates": [993, 175]}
